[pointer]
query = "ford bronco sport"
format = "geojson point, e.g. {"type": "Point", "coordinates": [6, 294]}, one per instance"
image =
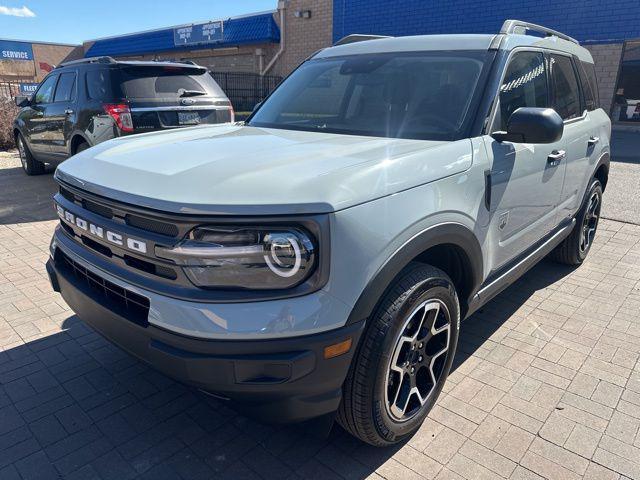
{"type": "Point", "coordinates": [315, 262]}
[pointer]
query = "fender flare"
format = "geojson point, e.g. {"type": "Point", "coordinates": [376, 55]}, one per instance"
{"type": "Point", "coordinates": [605, 159]}
{"type": "Point", "coordinates": [77, 133]}
{"type": "Point", "coordinates": [440, 234]}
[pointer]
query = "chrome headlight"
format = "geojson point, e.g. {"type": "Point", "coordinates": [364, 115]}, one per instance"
{"type": "Point", "coordinates": [256, 258]}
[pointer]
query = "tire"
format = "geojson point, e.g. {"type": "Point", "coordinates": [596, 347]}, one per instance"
{"type": "Point", "coordinates": [82, 147]}
{"type": "Point", "coordinates": [574, 249]}
{"type": "Point", "coordinates": [30, 165]}
{"type": "Point", "coordinates": [373, 406]}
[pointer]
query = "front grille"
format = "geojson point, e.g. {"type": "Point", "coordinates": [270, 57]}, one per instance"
{"type": "Point", "coordinates": [67, 194]}
{"type": "Point", "coordinates": [133, 262]}
{"type": "Point", "coordinates": [150, 225]}
{"type": "Point", "coordinates": [134, 220]}
{"type": "Point", "coordinates": [126, 303]}
{"type": "Point", "coordinates": [98, 209]}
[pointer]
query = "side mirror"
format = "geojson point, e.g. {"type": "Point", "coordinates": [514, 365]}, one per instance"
{"type": "Point", "coordinates": [532, 125]}
{"type": "Point", "coordinates": [22, 101]}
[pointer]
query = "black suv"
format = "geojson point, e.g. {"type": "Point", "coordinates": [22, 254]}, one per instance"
{"type": "Point", "coordinates": [84, 102]}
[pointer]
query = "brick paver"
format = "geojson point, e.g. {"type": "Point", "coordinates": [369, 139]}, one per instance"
{"type": "Point", "coordinates": [546, 384]}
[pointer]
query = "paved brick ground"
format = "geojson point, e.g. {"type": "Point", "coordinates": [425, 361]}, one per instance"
{"type": "Point", "coordinates": [546, 384]}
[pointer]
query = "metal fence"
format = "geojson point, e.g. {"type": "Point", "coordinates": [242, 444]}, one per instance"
{"type": "Point", "coordinates": [246, 89]}
{"type": "Point", "coordinates": [9, 89]}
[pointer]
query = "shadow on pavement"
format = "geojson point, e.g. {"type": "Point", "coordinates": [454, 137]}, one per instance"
{"type": "Point", "coordinates": [84, 406]}
{"type": "Point", "coordinates": [26, 199]}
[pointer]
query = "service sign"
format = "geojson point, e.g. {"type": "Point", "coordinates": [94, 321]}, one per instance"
{"type": "Point", "coordinates": [15, 50]}
{"type": "Point", "coordinates": [210, 32]}
{"type": "Point", "coordinates": [27, 89]}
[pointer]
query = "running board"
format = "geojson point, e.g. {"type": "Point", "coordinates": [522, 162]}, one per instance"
{"type": "Point", "coordinates": [494, 287]}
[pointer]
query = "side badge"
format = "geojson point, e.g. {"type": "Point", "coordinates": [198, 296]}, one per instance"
{"type": "Point", "coordinates": [503, 220]}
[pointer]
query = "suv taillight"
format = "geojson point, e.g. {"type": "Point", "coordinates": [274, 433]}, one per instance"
{"type": "Point", "coordinates": [121, 114]}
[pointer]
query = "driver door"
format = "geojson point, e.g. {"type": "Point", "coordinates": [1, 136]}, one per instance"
{"type": "Point", "coordinates": [525, 179]}
{"type": "Point", "coordinates": [37, 127]}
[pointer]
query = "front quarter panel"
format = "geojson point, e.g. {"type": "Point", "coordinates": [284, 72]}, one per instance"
{"type": "Point", "coordinates": [370, 236]}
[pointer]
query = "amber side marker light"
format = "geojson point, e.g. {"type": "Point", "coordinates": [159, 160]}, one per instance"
{"type": "Point", "coordinates": [337, 349]}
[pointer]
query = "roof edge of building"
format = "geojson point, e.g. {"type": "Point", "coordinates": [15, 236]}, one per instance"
{"type": "Point", "coordinates": [37, 42]}
{"type": "Point", "coordinates": [159, 29]}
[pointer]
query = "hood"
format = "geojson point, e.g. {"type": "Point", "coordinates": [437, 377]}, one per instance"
{"type": "Point", "coordinates": [234, 169]}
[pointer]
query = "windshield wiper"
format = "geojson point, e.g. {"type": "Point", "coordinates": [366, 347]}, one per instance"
{"type": "Point", "coordinates": [190, 93]}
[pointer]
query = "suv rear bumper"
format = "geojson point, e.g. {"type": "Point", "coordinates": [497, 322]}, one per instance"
{"type": "Point", "coordinates": [277, 380]}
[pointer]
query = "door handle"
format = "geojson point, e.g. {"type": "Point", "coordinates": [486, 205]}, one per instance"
{"type": "Point", "coordinates": [593, 140]}
{"type": "Point", "coordinates": [68, 111]}
{"type": "Point", "coordinates": [556, 156]}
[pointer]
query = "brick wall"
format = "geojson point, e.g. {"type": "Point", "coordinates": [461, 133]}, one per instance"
{"type": "Point", "coordinates": [607, 59]}
{"type": "Point", "coordinates": [304, 36]}
{"type": "Point", "coordinates": [52, 55]}
{"type": "Point", "coordinates": [46, 56]}
{"type": "Point", "coordinates": [233, 59]}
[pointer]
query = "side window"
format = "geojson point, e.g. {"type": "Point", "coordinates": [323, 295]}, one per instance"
{"type": "Point", "coordinates": [44, 94]}
{"type": "Point", "coordinates": [566, 99]}
{"type": "Point", "coordinates": [65, 91]}
{"type": "Point", "coordinates": [99, 84]}
{"type": "Point", "coordinates": [524, 85]}
{"type": "Point", "coordinates": [589, 85]}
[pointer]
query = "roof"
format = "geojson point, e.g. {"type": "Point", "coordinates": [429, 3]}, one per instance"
{"type": "Point", "coordinates": [260, 28]}
{"type": "Point", "coordinates": [410, 44]}
{"type": "Point", "coordinates": [453, 42]}
{"type": "Point", "coordinates": [38, 42]}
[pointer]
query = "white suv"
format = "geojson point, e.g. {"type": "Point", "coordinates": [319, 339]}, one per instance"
{"type": "Point", "coordinates": [318, 258]}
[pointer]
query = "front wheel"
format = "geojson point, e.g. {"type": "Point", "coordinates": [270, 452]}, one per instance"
{"type": "Point", "coordinates": [574, 249]}
{"type": "Point", "coordinates": [404, 358]}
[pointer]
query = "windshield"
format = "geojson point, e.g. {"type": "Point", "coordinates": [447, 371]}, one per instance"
{"type": "Point", "coordinates": [418, 95]}
{"type": "Point", "coordinates": [167, 82]}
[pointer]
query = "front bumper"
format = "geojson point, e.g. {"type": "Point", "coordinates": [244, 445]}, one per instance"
{"type": "Point", "coordinates": [277, 380]}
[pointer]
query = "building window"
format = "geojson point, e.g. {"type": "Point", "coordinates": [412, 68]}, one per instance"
{"type": "Point", "coordinates": [626, 106]}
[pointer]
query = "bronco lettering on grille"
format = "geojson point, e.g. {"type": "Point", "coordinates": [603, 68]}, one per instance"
{"type": "Point", "coordinates": [101, 232]}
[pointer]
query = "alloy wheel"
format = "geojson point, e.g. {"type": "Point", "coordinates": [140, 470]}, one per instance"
{"type": "Point", "coordinates": [22, 153]}
{"type": "Point", "coordinates": [418, 360]}
{"type": "Point", "coordinates": [590, 222]}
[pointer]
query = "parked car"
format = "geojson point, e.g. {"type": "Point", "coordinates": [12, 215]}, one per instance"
{"type": "Point", "coordinates": [317, 261]}
{"type": "Point", "coordinates": [84, 102]}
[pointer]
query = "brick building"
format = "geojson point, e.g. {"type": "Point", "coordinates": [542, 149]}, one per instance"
{"type": "Point", "coordinates": [276, 42]}
{"type": "Point", "coordinates": [29, 62]}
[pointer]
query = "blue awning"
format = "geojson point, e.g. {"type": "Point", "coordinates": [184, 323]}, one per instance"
{"type": "Point", "coordinates": [260, 28]}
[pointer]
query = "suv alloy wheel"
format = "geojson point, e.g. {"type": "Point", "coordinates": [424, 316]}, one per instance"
{"type": "Point", "coordinates": [403, 359]}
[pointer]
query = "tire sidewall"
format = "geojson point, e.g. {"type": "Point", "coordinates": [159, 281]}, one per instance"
{"type": "Point", "coordinates": [82, 147]}
{"type": "Point", "coordinates": [429, 289]}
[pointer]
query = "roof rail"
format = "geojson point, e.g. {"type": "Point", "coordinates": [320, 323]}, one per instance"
{"type": "Point", "coordinates": [520, 27]}
{"type": "Point", "coordinates": [88, 60]}
{"type": "Point", "coordinates": [358, 37]}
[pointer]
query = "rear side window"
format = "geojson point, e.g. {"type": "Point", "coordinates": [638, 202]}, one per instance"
{"type": "Point", "coordinates": [99, 84]}
{"type": "Point", "coordinates": [589, 85]}
{"type": "Point", "coordinates": [524, 84]}
{"type": "Point", "coordinates": [65, 90]}
{"type": "Point", "coordinates": [565, 87]}
{"type": "Point", "coordinates": [167, 82]}
{"type": "Point", "coordinates": [45, 92]}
